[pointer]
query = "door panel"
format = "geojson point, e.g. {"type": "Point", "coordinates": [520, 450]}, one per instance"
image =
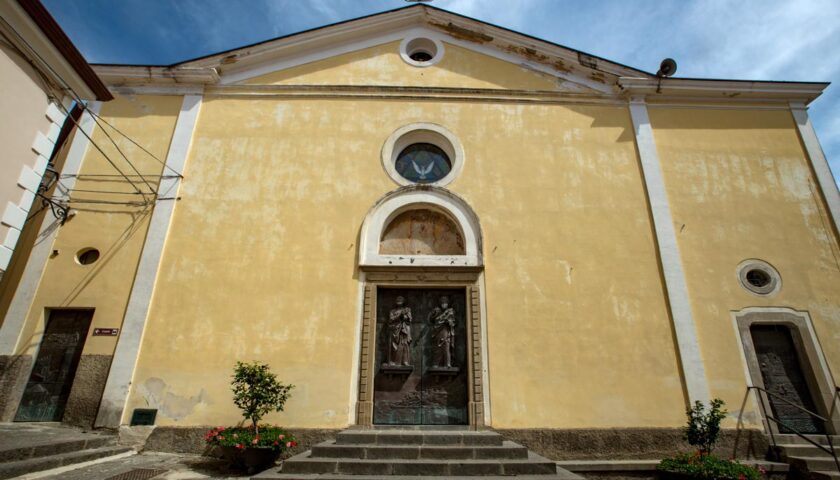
{"type": "Point", "coordinates": [783, 375]}
{"type": "Point", "coordinates": [52, 375]}
{"type": "Point", "coordinates": [416, 336]}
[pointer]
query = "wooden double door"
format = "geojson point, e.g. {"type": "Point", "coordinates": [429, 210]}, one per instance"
{"type": "Point", "coordinates": [421, 357]}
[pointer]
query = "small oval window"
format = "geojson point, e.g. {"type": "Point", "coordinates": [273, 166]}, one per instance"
{"type": "Point", "coordinates": [87, 256]}
{"type": "Point", "coordinates": [758, 278]}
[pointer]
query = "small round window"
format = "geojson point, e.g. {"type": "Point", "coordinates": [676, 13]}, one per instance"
{"type": "Point", "coordinates": [421, 51]}
{"type": "Point", "coordinates": [759, 277]}
{"type": "Point", "coordinates": [423, 163]}
{"type": "Point", "coordinates": [87, 256]}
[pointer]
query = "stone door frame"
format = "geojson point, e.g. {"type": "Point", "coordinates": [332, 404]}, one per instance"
{"type": "Point", "coordinates": [815, 368]}
{"type": "Point", "coordinates": [468, 279]}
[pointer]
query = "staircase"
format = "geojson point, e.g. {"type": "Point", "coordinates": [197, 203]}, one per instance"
{"type": "Point", "coordinates": [395, 454]}
{"type": "Point", "coordinates": [807, 461]}
{"type": "Point", "coordinates": [28, 448]}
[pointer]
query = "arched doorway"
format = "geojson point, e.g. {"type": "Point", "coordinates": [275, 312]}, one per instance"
{"type": "Point", "coordinates": [422, 344]}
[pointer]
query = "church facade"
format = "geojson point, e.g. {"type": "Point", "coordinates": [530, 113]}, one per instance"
{"type": "Point", "coordinates": [418, 218]}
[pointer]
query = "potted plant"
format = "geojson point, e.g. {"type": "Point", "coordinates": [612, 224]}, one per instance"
{"type": "Point", "coordinates": [702, 432]}
{"type": "Point", "coordinates": [256, 391]}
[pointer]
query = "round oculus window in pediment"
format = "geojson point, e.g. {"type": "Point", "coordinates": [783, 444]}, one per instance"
{"type": "Point", "coordinates": [423, 163]}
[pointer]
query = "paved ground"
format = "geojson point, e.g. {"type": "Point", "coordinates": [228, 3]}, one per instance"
{"type": "Point", "coordinates": [168, 467]}
{"type": "Point", "coordinates": [23, 435]}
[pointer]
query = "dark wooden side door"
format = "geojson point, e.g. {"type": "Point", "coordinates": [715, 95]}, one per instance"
{"type": "Point", "coordinates": [52, 375]}
{"type": "Point", "coordinates": [783, 374]}
{"type": "Point", "coordinates": [427, 391]}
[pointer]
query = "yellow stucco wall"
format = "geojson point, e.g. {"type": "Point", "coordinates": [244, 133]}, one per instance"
{"type": "Point", "coordinates": [260, 262]}
{"type": "Point", "coordinates": [261, 258]}
{"type": "Point", "coordinates": [382, 65]}
{"type": "Point", "coordinates": [117, 231]}
{"type": "Point", "coordinates": [740, 187]}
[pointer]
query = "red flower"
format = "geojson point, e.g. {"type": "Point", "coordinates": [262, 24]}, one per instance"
{"type": "Point", "coordinates": [255, 441]}
{"type": "Point", "coordinates": [240, 446]}
{"type": "Point", "coordinates": [275, 443]}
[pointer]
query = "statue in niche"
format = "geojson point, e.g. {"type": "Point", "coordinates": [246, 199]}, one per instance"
{"type": "Point", "coordinates": [399, 334]}
{"type": "Point", "coordinates": [442, 319]}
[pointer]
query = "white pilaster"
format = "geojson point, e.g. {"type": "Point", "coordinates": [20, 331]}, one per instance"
{"type": "Point", "coordinates": [688, 346]}
{"type": "Point", "coordinates": [815, 152]}
{"type": "Point", "coordinates": [37, 262]}
{"type": "Point", "coordinates": [121, 374]}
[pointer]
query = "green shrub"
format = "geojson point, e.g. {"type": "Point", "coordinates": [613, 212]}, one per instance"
{"type": "Point", "coordinates": [703, 428]}
{"type": "Point", "coordinates": [702, 432]}
{"type": "Point", "coordinates": [708, 467]}
{"type": "Point", "coordinates": [269, 436]}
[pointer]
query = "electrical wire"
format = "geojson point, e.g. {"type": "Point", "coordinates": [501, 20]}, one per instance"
{"type": "Point", "coordinates": [153, 191]}
{"type": "Point", "coordinates": [137, 145]}
{"type": "Point", "coordinates": [79, 128]}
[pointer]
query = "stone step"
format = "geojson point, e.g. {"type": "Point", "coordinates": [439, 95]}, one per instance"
{"type": "Point", "coordinates": [812, 464]}
{"type": "Point", "coordinates": [508, 450]}
{"type": "Point", "coordinates": [274, 474]}
{"type": "Point", "coordinates": [827, 475]}
{"type": "Point", "coordinates": [418, 437]}
{"type": "Point", "coordinates": [305, 463]}
{"type": "Point", "coordinates": [47, 462]}
{"type": "Point", "coordinates": [790, 439]}
{"type": "Point", "coordinates": [88, 441]}
{"type": "Point", "coordinates": [806, 450]}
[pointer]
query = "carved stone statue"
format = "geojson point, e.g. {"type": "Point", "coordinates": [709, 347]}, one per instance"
{"type": "Point", "coordinates": [442, 319]}
{"type": "Point", "coordinates": [399, 334]}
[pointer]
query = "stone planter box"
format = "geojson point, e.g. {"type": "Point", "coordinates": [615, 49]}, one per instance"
{"type": "Point", "coordinates": [252, 460]}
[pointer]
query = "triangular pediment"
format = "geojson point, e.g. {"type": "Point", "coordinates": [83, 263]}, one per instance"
{"type": "Point", "coordinates": [381, 64]}
{"type": "Point", "coordinates": [366, 52]}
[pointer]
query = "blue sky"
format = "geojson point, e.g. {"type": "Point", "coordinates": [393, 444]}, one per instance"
{"type": "Point", "coordinates": [744, 39]}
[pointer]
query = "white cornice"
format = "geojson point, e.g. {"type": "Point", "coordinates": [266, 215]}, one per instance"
{"type": "Point", "coordinates": [725, 90]}
{"type": "Point", "coordinates": [117, 75]}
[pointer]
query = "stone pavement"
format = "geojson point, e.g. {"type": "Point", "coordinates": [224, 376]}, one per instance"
{"type": "Point", "coordinates": [33, 435]}
{"type": "Point", "coordinates": [156, 466]}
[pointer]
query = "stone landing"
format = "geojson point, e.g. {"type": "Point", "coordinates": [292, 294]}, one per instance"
{"type": "Point", "coordinates": [394, 454]}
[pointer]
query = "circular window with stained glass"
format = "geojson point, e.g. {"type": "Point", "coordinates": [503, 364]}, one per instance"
{"type": "Point", "coordinates": [423, 163]}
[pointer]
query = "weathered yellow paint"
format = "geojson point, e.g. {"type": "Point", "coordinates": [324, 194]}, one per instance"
{"type": "Point", "coordinates": [382, 65]}
{"type": "Point", "coordinates": [118, 231]}
{"type": "Point", "coordinates": [740, 187]}
{"type": "Point", "coordinates": [260, 262]}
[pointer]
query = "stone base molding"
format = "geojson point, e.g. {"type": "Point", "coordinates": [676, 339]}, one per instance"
{"type": "Point", "coordinates": [628, 443]}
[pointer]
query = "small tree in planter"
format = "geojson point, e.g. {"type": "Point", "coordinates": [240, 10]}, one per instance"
{"type": "Point", "coordinates": [702, 432]}
{"type": "Point", "coordinates": [257, 392]}
{"type": "Point", "coordinates": [703, 429]}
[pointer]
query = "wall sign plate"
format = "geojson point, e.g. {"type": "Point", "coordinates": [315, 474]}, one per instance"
{"type": "Point", "coordinates": [105, 332]}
